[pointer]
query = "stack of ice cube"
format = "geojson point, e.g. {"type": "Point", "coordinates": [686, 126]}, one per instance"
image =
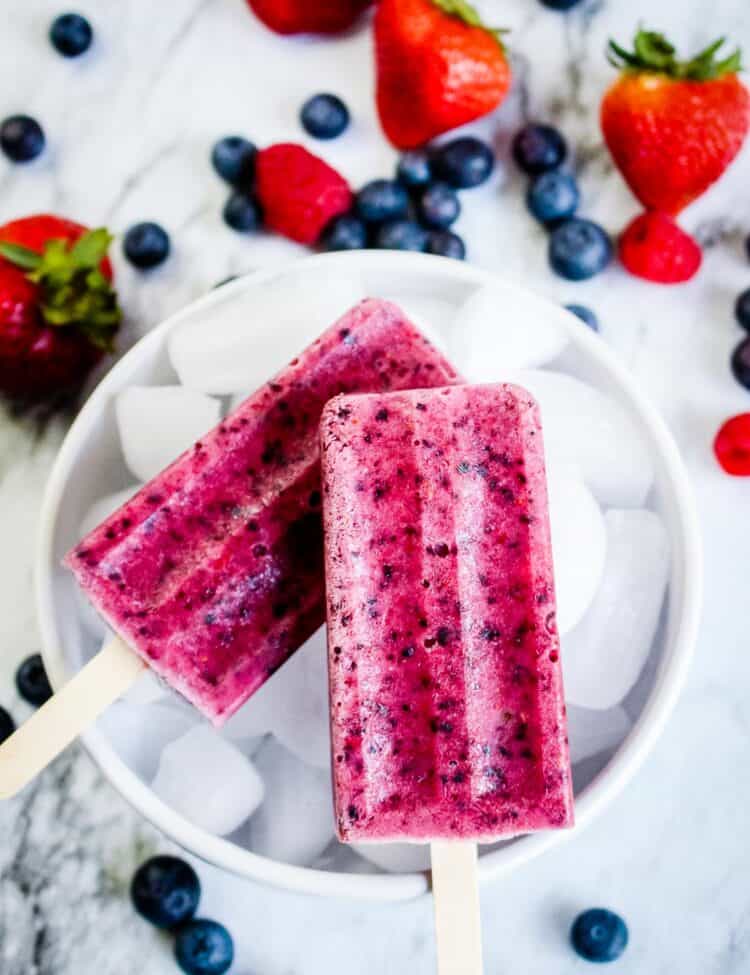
{"type": "Point", "coordinates": [264, 779]}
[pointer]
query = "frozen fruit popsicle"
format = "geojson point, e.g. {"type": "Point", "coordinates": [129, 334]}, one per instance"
{"type": "Point", "coordinates": [213, 571]}
{"type": "Point", "coordinates": [447, 710]}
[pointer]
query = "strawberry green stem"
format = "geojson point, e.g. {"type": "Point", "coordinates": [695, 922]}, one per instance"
{"type": "Point", "coordinates": [72, 289]}
{"type": "Point", "coordinates": [469, 15]}
{"type": "Point", "coordinates": [653, 52]}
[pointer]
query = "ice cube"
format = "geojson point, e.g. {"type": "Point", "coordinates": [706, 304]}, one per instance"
{"type": "Point", "coordinates": [238, 346]}
{"type": "Point", "coordinates": [292, 705]}
{"type": "Point", "coordinates": [255, 718]}
{"type": "Point", "coordinates": [591, 732]}
{"type": "Point", "coordinates": [157, 423]}
{"type": "Point", "coordinates": [148, 689]}
{"type": "Point", "coordinates": [579, 542]}
{"type": "Point", "coordinates": [237, 400]}
{"type": "Point", "coordinates": [396, 857]}
{"type": "Point", "coordinates": [91, 620]}
{"type": "Point", "coordinates": [207, 780]}
{"type": "Point", "coordinates": [138, 733]}
{"type": "Point", "coordinates": [589, 428]}
{"type": "Point", "coordinates": [302, 722]}
{"type": "Point", "coordinates": [500, 328]}
{"type": "Point", "coordinates": [604, 654]}
{"type": "Point", "coordinates": [432, 316]}
{"type": "Point", "coordinates": [295, 823]}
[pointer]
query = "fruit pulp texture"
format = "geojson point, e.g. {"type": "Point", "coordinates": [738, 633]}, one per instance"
{"type": "Point", "coordinates": [213, 571]}
{"type": "Point", "coordinates": [447, 708]}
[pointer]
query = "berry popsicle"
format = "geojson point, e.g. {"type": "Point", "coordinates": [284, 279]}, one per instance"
{"type": "Point", "coordinates": [447, 710]}
{"type": "Point", "coordinates": [213, 571]}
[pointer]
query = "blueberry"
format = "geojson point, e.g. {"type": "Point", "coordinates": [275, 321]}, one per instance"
{"type": "Point", "coordinates": [579, 249]}
{"type": "Point", "coordinates": [464, 162]}
{"type": "Point", "coordinates": [233, 158]}
{"type": "Point", "coordinates": [414, 168]}
{"type": "Point", "coordinates": [21, 138]}
{"type": "Point", "coordinates": [165, 891]}
{"type": "Point", "coordinates": [538, 148]}
{"type": "Point", "coordinates": [324, 116]}
{"type": "Point", "coordinates": [32, 681]}
{"type": "Point", "coordinates": [553, 196]}
{"type": "Point", "coordinates": [71, 35]}
{"type": "Point", "coordinates": [7, 725]}
{"type": "Point", "coordinates": [204, 948]}
{"type": "Point", "coordinates": [242, 212]}
{"type": "Point", "coordinates": [560, 4]}
{"type": "Point", "coordinates": [742, 309]}
{"type": "Point", "coordinates": [401, 235]}
{"type": "Point", "coordinates": [382, 199]}
{"type": "Point", "coordinates": [146, 245]}
{"type": "Point", "coordinates": [438, 206]}
{"type": "Point", "coordinates": [345, 233]}
{"type": "Point", "coordinates": [586, 315]}
{"type": "Point", "coordinates": [599, 935]}
{"type": "Point", "coordinates": [446, 244]}
{"type": "Point", "coordinates": [741, 363]}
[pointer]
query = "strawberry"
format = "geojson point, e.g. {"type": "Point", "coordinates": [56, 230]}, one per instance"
{"type": "Point", "coordinates": [437, 67]}
{"type": "Point", "coordinates": [58, 311]}
{"type": "Point", "coordinates": [308, 16]}
{"type": "Point", "coordinates": [299, 192]}
{"type": "Point", "coordinates": [673, 126]}
{"type": "Point", "coordinates": [655, 248]}
{"type": "Point", "coordinates": [732, 445]}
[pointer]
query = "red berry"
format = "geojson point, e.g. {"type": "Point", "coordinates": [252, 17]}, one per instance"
{"type": "Point", "coordinates": [655, 248]}
{"type": "Point", "coordinates": [54, 326]}
{"type": "Point", "coordinates": [308, 16]}
{"type": "Point", "coordinates": [732, 445]}
{"type": "Point", "coordinates": [299, 193]}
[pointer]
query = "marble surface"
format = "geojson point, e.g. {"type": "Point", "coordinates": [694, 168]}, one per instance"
{"type": "Point", "coordinates": [129, 131]}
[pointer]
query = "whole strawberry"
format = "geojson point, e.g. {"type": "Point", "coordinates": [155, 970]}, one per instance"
{"type": "Point", "coordinates": [673, 126]}
{"type": "Point", "coordinates": [437, 66]}
{"type": "Point", "coordinates": [308, 16]}
{"type": "Point", "coordinates": [299, 192]}
{"type": "Point", "coordinates": [58, 311]}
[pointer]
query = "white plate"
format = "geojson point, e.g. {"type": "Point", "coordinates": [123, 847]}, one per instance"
{"type": "Point", "coordinates": [89, 465]}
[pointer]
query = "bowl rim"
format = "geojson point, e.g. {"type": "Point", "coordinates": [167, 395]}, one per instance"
{"type": "Point", "coordinates": [606, 785]}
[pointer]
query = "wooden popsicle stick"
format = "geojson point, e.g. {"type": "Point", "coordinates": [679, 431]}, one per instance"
{"type": "Point", "coordinates": [455, 888]}
{"type": "Point", "coordinates": [31, 748]}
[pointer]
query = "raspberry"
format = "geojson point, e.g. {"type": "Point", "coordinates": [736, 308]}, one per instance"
{"type": "Point", "coordinates": [655, 248]}
{"type": "Point", "coordinates": [299, 193]}
{"type": "Point", "coordinates": [732, 445]}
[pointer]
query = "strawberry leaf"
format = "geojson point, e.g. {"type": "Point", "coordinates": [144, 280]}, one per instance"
{"type": "Point", "coordinates": [652, 52]}
{"type": "Point", "coordinates": [90, 249]}
{"type": "Point", "coordinates": [469, 15]}
{"type": "Point", "coordinates": [20, 256]}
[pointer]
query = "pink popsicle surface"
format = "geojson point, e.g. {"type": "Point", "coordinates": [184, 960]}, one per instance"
{"type": "Point", "coordinates": [213, 572]}
{"type": "Point", "coordinates": [447, 709]}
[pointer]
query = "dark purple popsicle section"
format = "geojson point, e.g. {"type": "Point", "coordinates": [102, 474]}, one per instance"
{"type": "Point", "coordinates": [447, 709]}
{"type": "Point", "coordinates": [213, 572]}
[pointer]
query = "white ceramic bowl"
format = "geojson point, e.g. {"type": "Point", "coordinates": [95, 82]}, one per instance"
{"type": "Point", "coordinates": [89, 466]}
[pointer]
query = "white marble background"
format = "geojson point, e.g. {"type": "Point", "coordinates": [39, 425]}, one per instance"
{"type": "Point", "coordinates": [129, 130]}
